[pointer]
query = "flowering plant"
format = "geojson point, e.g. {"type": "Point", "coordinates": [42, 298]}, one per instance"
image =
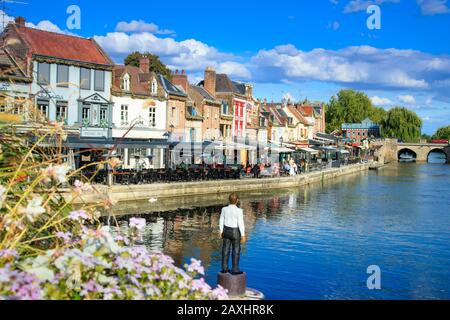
{"type": "Point", "coordinates": [51, 248]}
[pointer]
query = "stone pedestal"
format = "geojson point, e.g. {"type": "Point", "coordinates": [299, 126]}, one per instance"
{"type": "Point", "coordinates": [235, 284]}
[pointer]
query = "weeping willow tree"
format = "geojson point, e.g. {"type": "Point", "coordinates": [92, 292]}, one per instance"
{"type": "Point", "coordinates": [350, 106]}
{"type": "Point", "coordinates": [402, 124]}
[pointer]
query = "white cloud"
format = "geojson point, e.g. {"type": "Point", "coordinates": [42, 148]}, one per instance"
{"type": "Point", "coordinates": [137, 26]}
{"type": "Point", "coordinates": [407, 99]}
{"type": "Point", "coordinates": [191, 55]}
{"type": "Point", "coordinates": [433, 7]}
{"type": "Point", "coordinates": [233, 68]}
{"type": "Point", "coordinates": [381, 102]}
{"type": "Point", "coordinates": [362, 5]}
{"type": "Point", "coordinates": [362, 66]}
{"type": "Point", "coordinates": [45, 25]}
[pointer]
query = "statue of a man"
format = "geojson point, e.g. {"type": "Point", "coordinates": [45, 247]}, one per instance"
{"type": "Point", "coordinates": [232, 230]}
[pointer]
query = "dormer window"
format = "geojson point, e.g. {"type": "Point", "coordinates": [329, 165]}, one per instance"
{"type": "Point", "coordinates": [154, 87]}
{"type": "Point", "coordinates": [126, 82]}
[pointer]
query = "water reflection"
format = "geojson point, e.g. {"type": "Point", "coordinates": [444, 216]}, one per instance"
{"type": "Point", "coordinates": [317, 242]}
{"type": "Point", "coordinates": [437, 157]}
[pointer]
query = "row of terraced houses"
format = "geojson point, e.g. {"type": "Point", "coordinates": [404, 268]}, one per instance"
{"type": "Point", "coordinates": [71, 80]}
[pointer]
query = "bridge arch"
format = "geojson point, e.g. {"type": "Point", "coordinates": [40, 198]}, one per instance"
{"type": "Point", "coordinates": [438, 150]}
{"type": "Point", "coordinates": [404, 151]}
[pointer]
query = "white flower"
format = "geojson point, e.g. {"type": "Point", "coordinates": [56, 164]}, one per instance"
{"type": "Point", "coordinates": [34, 209]}
{"type": "Point", "coordinates": [57, 173]}
{"type": "Point", "coordinates": [2, 195]}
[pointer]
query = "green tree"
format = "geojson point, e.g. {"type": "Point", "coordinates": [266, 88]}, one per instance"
{"type": "Point", "coordinates": [155, 63]}
{"type": "Point", "coordinates": [351, 106]}
{"type": "Point", "coordinates": [442, 133]}
{"type": "Point", "coordinates": [426, 137]}
{"type": "Point", "coordinates": [403, 124]}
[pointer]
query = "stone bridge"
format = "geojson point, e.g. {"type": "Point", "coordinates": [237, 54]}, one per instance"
{"type": "Point", "coordinates": [389, 150]}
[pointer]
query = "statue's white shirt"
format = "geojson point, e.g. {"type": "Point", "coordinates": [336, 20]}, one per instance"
{"type": "Point", "coordinates": [232, 217]}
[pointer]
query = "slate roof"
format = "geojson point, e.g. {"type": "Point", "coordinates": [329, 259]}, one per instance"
{"type": "Point", "coordinates": [205, 94]}
{"type": "Point", "coordinates": [171, 88]}
{"type": "Point", "coordinates": [240, 87]}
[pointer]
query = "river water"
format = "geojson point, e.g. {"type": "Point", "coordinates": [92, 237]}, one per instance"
{"type": "Point", "coordinates": [317, 242]}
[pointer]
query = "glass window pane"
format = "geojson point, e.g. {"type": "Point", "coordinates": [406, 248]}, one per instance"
{"type": "Point", "coordinates": [44, 73]}
{"type": "Point", "coordinates": [85, 79]}
{"type": "Point", "coordinates": [99, 80]}
{"type": "Point", "coordinates": [63, 76]}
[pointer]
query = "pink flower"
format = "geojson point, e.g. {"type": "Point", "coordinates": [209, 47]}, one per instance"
{"type": "Point", "coordinates": [138, 224]}
{"type": "Point", "coordinates": [79, 216]}
{"type": "Point", "coordinates": [220, 293]}
{"type": "Point", "coordinates": [196, 267]}
{"type": "Point", "coordinates": [80, 187]}
{"type": "Point", "coordinates": [66, 236]}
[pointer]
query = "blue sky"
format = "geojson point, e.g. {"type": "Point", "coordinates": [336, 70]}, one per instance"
{"type": "Point", "coordinates": [295, 49]}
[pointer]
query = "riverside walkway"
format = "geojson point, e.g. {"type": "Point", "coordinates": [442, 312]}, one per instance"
{"type": "Point", "coordinates": [127, 193]}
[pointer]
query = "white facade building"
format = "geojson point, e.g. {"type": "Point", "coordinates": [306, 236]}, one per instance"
{"type": "Point", "coordinates": [139, 116]}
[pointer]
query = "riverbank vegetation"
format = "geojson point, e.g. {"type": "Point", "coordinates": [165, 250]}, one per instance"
{"type": "Point", "coordinates": [51, 250]}
{"type": "Point", "coordinates": [442, 134]}
{"type": "Point", "coordinates": [350, 106]}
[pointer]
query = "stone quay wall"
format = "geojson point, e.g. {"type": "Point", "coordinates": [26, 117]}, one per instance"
{"type": "Point", "coordinates": [121, 193]}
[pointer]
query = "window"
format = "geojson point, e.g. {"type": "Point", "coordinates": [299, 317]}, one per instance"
{"type": "Point", "coordinates": [2, 108]}
{"type": "Point", "coordinates": [124, 115]}
{"type": "Point", "coordinates": [99, 80]}
{"type": "Point", "coordinates": [42, 108]}
{"type": "Point", "coordinates": [225, 108]}
{"type": "Point", "coordinates": [126, 82]}
{"type": "Point", "coordinates": [62, 76]}
{"type": "Point", "coordinates": [192, 111]}
{"type": "Point", "coordinates": [43, 73]}
{"type": "Point", "coordinates": [86, 114]}
{"type": "Point", "coordinates": [174, 116]}
{"type": "Point", "coordinates": [152, 117]}
{"type": "Point", "coordinates": [154, 87]}
{"type": "Point", "coordinates": [19, 109]}
{"type": "Point", "coordinates": [85, 79]}
{"type": "Point", "coordinates": [61, 112]}
{"type": "Point", "coordinates": [104, 114]}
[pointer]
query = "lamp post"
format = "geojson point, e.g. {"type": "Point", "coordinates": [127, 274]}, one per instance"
{"type": "Point", "coordinates": [169, 136]}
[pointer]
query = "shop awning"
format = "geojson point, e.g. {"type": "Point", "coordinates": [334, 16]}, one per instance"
{"type": "Point", "coordinates": [88, 143]}
{"type": "Point", "coordinates": [309, 150]}
{"type": "Point", "coordinates": [278, 148]}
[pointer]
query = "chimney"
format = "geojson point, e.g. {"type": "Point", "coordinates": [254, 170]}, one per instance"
{"type": "Point", "coordinates": [210, 81]}
{"type": "Point", "coordinates": [249, 90]}
{"type": "Point", "coordinates": [181, 79]}
{"type": "Point", "coordinates": [20, 22]}
{"type": "Point", "coordinates": [144, 65]}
